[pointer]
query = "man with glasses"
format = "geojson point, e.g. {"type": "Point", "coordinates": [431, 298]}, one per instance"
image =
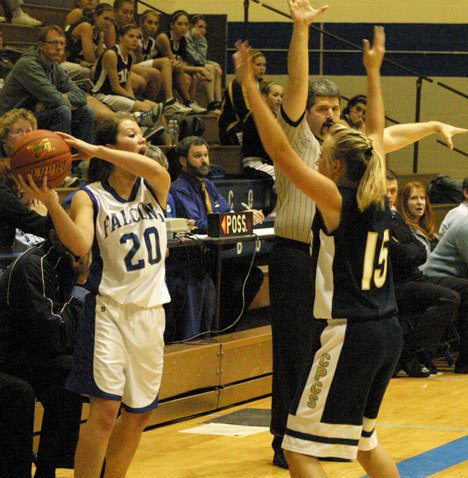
{"type": "Point", "coordinates": [39, 84]}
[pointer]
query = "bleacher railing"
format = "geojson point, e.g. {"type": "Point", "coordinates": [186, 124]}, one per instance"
{"type": "Point", "coordinates": [419, 77]}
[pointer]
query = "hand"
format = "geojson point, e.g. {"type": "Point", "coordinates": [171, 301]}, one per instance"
{"type": "Point", "coordinates": [86, 151]}
{"type": "Point", "coordinates": [242, 63]}
{"type": "Point", "coordinates": [303, 13]}
{"type": "Point", "coordinates": [258, 216]}
{"type": "Point", "coordinates": [43, 193]}
{"type": "Point", "coordinates": [447, 131]}
{"type": "Point", "coordinates": [358, 122]}
{"type": "Point", "coordinates": [373, 57]}
{"type": "Point", "coordinates": [205, 73]}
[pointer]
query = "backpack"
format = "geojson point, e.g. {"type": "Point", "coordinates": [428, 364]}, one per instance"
{"type": "Point", "coordinates": [445, 189]}
{"type": "Point", "coordinates": [191, 125]}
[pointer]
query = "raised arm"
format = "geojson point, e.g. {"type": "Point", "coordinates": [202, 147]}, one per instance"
{"type": "Point", "coordinates": [295, 93]}
{"type": "Point", "coordinates": [315, 185]}
{"type": "Point", "coordinates": [400, 135]}
{"type": "Point", "coordinates": [375, 117]}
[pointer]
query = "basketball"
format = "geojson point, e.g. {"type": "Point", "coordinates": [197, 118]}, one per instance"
{"type": "Point", "coordinates": [42, 153]}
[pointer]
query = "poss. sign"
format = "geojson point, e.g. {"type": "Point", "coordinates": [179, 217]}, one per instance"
{"type": "Point", "coordinates": [230, 224]}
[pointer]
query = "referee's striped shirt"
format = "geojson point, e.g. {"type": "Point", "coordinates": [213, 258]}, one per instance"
{"type": "Point", "coordinates": [295, 211]}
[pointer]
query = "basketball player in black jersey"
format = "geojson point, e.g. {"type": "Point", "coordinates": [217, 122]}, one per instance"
{"type": "Point", "coordinates": [359, 338]}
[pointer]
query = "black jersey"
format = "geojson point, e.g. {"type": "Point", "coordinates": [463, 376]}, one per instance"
{"type": "Point", "coordinates": [352, 270]}
{"type": "Point", "coordinates": [149, 49]}
{"type": "Point", "coordinates": [178, 47]}
{"type": "Point", "coordinates": [101, 78]}
{"type": "Point", "coordinates": [75, 45]}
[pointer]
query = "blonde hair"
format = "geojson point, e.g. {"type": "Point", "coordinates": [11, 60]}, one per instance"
{"type": "Point", "coordinates": [11, 117]}
{"type": "Point", "coordinates": [364, 165]}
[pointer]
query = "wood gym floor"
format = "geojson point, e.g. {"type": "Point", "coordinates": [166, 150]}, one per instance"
{"type": "Point", "coordinates": [423, 423]}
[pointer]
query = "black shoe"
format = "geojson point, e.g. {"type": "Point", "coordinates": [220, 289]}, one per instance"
{"type": "Point", "coordinates": [461, 368]}
{"type": "Point", "coordinates": [413, 368]}
{"type": "Point", "coordinates": [280, 460]}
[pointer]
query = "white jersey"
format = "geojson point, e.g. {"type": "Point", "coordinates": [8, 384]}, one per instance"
{"type": "Point", "coordinates": [295, 211]}
{"type": "Point", "coordinates": [129, 246]}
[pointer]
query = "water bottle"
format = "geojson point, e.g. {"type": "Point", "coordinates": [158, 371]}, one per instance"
{"type": "Point", "coordinates": [173, 131]}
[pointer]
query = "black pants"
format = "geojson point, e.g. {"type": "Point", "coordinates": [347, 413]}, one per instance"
{"type": "Point", "coordinates": [62, 411]}
{"type": "Point", "coordinates": [429, 308]}
{"type": "Point", "coordinates": [292, 325]}
{"type": "Point", "coordinates": [460, 286]}
{"type": "Point", "coordinates": [16, 422]}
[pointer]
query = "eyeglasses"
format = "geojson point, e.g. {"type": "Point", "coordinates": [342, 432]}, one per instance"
{"type": "Point", "coordinates": [19, 131]}
{"type": "Point", "coordinates": [55, 42]}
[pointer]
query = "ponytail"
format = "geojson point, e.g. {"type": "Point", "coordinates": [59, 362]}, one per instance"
{"type": "Point", "coordinates": [364, 165]}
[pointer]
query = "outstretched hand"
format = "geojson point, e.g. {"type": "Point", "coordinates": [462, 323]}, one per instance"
{"type": "Point", "coordinates": [447, 131]}
{"type": "Point", "coordinates": [303, 13]}
{"type": "Point", "coordinates": [85, 150]}
{"type": "Point", "coordinates": [243, 63]}
{"type": "Point", "coordinates": [373, 55]}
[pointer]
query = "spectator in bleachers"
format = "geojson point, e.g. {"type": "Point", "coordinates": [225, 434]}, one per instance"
{"type": "Point", "coordinates": [415, 207]}
{"type": "Point", "coordinates": [257, 164]}
{"type": "Point", "coordinates": [354, 114]}
{"type": "Point", "coordinates": [195, 197]}
{"type": "Point", "coordinates": [425, 309]}
{"type": "Point", "coordinates": [197, 49]}
{"type": "Point", "coordinates": [15, 210]}
{"type": "Point", "coordinates": [85, 37]}
{"type": "Point", "coordinates": [149, 56]}
{"type": "Point", "coordinates": [234, 105]}
{"type": "Point", "coordinates": [83, 8]}
{"type": "Point", "coordinates": [450, 256]}
{"type": "Point", "coordinates": [173, 45]}
{"type": "Point", "coordinates": [17, 402]}
{"type": "Point", "coordinates": [448, 266]}
{"type": "Point", "coordinates": [461, 210]}
{"type": "Point", "coordinates": [113, 86]}
{"type": "Point", "coordinates": [37, 83]}
{"type": "Point", "coordinates": [15, 14]}
{"type": "Point", "coordinates": [41, 298]}
{"type": "Point", "coordinates": [147, 80]}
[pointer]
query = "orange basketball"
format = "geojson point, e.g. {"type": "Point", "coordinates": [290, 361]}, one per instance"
{"type": "Point", "coordinates": [42, 153]}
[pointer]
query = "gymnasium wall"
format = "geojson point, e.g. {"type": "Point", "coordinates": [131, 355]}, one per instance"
{"type": "Point", "coordinates": [429, 37]}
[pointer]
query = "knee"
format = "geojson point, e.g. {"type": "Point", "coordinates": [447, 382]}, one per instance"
{"type": "Point", "coordinates": [64, 113]}
{"type": "Point", "coordinates": [137, 421]}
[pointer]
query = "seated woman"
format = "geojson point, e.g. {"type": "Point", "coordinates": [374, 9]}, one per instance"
{"type": "Point", "coordinates": [149, 56]}
{"type": "Point", "coordinates": [234, 106]}
{"type": "Point", "coordinates": [85, 37]}
{"type": "Point", "coordinates": [83, 8]}
{"type": "Point", "coordinates": [112, 84]}
{"type": "Point", "coordinates": [416, 209]}
{"type": "Point", "coordinates": [354, 115]}
{"type": "Point", "coordinates": [257, 164]}
{"type": "Point", "coordinates": [173, 45]}
{"type": "Point", "coordinates": [16, 211]}
{"type": "Point", "coordinates": [196, 48]}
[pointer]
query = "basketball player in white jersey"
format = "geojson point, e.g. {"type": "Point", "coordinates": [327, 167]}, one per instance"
{"type": "Point", "coordinates": [358, 336]}
{"type": "Point", "coordinates": [119, 351]}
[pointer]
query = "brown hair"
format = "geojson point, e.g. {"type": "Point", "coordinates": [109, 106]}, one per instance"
{"type": "Point", "coordinates": [426, 223]}
{"type": "Point", "coordinates": [42, 37]}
